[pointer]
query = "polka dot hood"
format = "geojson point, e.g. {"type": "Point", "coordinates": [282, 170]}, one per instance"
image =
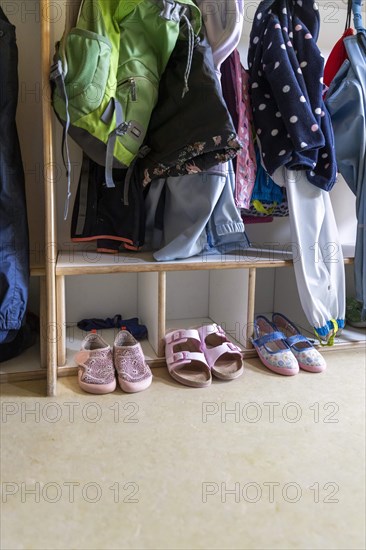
{"type": "Point", "coordinates": [286, 84]}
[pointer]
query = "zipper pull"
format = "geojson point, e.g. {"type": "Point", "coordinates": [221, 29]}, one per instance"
{"type": "Point", "coordinates": [133, 89]}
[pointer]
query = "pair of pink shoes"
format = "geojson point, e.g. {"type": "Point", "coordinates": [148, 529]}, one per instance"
{"type": "Point", "coordinates": [98, 364]}
{"type": "Point", "coordinates": [194, 355]}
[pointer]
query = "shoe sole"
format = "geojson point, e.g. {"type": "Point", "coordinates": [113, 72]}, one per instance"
{"type": "Point", "coordinates": [98, 389]}
{"type": "Point", "coordinates": [190, 383]}
{"type": "Point", "coordinates": [134, 387]}
{"type": "Point", "coordinates": [278, 370]}
{"type": "Point", "coordinates": [231, 376]}
{"type": "Point", "coordinates": [311, 369]}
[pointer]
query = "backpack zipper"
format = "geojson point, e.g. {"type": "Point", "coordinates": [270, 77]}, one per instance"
{"type": "Point", "coordinates": [133, 87]}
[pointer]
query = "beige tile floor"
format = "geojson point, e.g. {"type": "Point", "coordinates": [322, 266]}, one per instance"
{"type": "Point", "coordinates": [264, 462]}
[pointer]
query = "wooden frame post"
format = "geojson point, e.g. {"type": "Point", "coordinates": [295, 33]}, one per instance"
{"type": "Point", "coordinates": [49, 328]}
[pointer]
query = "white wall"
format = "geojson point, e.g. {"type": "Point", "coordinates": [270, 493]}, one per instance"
{"type": "Point", "coordinates": [107, 294]}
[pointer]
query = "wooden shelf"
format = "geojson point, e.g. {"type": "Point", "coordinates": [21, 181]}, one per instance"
{"type": "Point", "coordinates": [73, 262]}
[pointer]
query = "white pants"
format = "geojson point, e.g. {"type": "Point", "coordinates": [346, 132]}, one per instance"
{"type": "Point", "coordinates": [317, 252]}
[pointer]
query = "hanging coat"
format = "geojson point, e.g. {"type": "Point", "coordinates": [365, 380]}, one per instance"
{"type": "Point", "coordinates": [346, 101]}
{"type": "Point", "coordinates": [286, 69]}
{"type": "Point", "coordinates": [193, 133]}
{"type": "Point", "coordinates": [235, 89]}
{"type": "Point", "coordinates": [196, 213]}
{"type": "Point", "coordinates": [14, 247]}
{"type": "Point", "coordinates": [297, 148]}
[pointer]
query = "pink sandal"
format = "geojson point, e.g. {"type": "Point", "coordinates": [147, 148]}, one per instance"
{"type": "Point", "coordinates": [185, 361]}
{"type": "Point", "coordinates": [223, 357]}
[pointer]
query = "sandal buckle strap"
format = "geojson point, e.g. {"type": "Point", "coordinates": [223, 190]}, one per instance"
{"type": "Point", "coordinates": [175, 336]}
{"type": "Point", "coordinates": [178, 357]}
{"type": "Point", "coordinates": [220, 330]}
{"type": "Point", "coordinates": [233, 347]}
{"type": "Point", "coordinates": [181, 335]}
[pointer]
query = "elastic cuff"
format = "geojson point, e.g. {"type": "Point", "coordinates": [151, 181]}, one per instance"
{"type": "Point", "coordinates": [232, 227]}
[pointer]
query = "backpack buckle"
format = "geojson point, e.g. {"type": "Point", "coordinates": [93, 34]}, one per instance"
{"type": "Point", "coordinates": [123, 128]}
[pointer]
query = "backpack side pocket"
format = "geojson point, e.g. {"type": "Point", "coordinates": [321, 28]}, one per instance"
{"type": "Point", "coordinates": [88, 58]}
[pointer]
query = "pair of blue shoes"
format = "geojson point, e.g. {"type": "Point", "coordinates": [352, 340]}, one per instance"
{"type": "Point", "coordinates": [282, 348]}
{"type": "Point", "coordinates": [133, 326]}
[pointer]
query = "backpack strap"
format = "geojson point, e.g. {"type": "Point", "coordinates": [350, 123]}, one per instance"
{"type": "Point", "coordinates": [144, 150]}
{"type": "Point", "coordinates": [83, 195]}
{"type": "Point", "coordinates": [58, 77]}
{"type": "Point", "coordinates": [120, 130]}
{"type": "Point", "coordinates": [58, 74]}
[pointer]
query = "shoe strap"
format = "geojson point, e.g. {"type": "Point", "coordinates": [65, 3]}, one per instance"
{"type": "Point", "coordinates": [184, 357]}
{"type": "Point", "coordinates": [272, 336]}
{"type": "Point", "coordinates": [213, 354]}
{"type": "Point", "coordinates": [207, 330]}
{"type": "Point", "coordinates": [81, 357]}
{"type": "Point", "coordinates": [296, 338]}
{"type": "Point", "coordinates": [179, 336]}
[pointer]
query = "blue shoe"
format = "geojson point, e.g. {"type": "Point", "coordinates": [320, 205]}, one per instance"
{"type": "Point", "coordinates": [307, 356]}
{"type": "Point", "coordinates": [272, 348]}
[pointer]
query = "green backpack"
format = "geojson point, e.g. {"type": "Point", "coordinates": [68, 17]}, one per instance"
{"type": "Point", "coordinates": [107, 71]}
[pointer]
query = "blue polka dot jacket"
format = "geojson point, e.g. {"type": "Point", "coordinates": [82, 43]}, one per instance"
{"type": "Point", "coordinates": [286, 84]}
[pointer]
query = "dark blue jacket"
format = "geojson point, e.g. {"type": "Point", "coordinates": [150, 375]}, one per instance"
{"type": "Point", "coordinates": [14, 249]}
{"type": "Point", "coordinates": [286, 77]}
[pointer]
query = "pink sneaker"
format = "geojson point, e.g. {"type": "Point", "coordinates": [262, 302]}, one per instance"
{"type": "Point", "coordinates": [96, 372]}
{"type": "Point", "coordinates": [133, 373]}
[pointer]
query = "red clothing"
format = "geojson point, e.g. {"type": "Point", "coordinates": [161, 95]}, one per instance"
{"type": "Point", "coordinates": [336, 58]}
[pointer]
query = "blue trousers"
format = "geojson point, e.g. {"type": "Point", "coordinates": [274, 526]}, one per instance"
{"type": "Point", "coordinates": [14, 246]}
